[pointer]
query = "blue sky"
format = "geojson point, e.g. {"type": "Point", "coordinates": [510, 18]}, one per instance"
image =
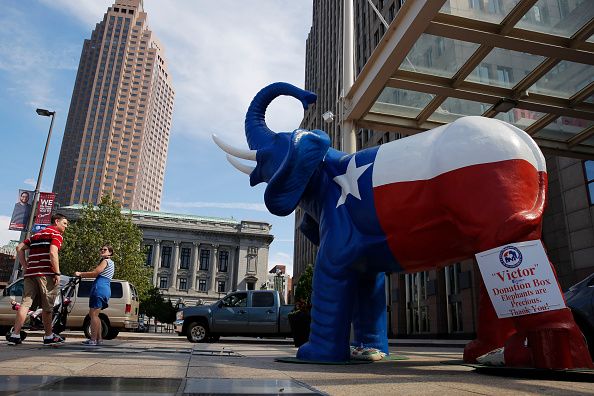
{"type": "Point", "coordinates": [220, 54]}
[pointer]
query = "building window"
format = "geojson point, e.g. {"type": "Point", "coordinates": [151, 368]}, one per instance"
{"type": "Point", "coordinates": [163, 282]}
{"type": "Point", "coordinates": [251, 285]}
{"type": "Point", "coordinates": [504, 74]}
{"type": "Point", "coordinates": [252, 259]}
{"type": "Point", "coordinates": [204, 259]}
{"type": "Point", "coordinates": [166, 256]}
{"type": "Point", "coordinates": [185, 258]}
{"type": "Point", "coordinates": [223, 261]}
{"type": "Point", "coordinates": [483, 73]}
{"type": "Point", "coordinates": [149, 255]}
{"type": "Point", "coordinates": [221, 287]}
{"type": "Point", "coordinates": [202, 285]}
{"type": "Point", "coordinates": [183, 284]}
{"type": "Point", "coordinates": [589, 172]}
{"type": "Point", "coordinates": [417, 313]}
{"type": "Point", "coordinates": [455, 319]}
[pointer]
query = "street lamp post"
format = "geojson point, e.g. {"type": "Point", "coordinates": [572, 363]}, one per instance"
{"type": "Point", "coordinates": [44, 113]}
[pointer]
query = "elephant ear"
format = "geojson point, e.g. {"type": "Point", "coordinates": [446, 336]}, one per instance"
{"type": "Point", "coordinates": [306, 150]}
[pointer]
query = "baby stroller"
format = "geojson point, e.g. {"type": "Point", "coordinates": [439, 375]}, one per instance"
{"type": "Point", "coordinates": [62, 307]}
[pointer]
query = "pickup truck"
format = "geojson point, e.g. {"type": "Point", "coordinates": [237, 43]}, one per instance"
{"type": "Point", "coordinates": [257, 313]}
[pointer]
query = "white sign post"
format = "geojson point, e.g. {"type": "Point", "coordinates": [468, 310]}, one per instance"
{"type": "Point", "coordinates": [520, 279]}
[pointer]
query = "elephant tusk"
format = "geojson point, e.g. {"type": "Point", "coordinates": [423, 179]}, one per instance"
{"type": "Point", "coordinates": [234, 151]}
{"type": "Point", "coordinates": [247, 169]}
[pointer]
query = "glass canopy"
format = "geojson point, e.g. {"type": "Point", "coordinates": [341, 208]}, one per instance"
{"type": "Point", "coordinates": [527, 62]}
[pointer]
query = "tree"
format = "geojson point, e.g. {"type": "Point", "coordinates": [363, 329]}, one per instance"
{"type": "Point", "coordinates": [100, 225]}
{"type": "Point", "coordinates": [154, 305]}
{"type": "Point", "coordinates": [304, 288]}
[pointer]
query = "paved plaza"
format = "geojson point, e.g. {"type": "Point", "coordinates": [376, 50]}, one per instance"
{"type": "Point", "coordinates": [140, 364]}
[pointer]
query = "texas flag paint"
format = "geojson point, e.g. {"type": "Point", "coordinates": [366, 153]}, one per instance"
{"type": "Point", "coordinates": [444, 195]}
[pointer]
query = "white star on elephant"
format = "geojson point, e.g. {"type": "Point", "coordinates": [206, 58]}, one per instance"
{"type": "Point", "coordinates": [349, 181]}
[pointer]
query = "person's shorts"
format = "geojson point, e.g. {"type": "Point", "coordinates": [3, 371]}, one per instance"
{"type": "Point", "coordinates": [98, 302]}
{"type": "Point", "coordinates": [42, 289]}
{"type": "Point", "coordinates": [100, 294]}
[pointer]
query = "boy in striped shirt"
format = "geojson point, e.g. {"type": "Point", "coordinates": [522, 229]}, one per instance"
{"type": "Point", "coordinates": [42, 277]}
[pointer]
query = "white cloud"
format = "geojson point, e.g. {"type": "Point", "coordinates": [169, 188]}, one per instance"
{"type": "Point", "coordinates": [88, 12]}
{"type": "Point", "coordinates": [220, 53]}
{"type": "Point", "coordinates": [30, 58]}
{"type": "Point", "coordinates": [220, 205]}
{"type": "Point", "coordinates": [30, 182]}
{"type": "Point", "coordinates": [5, 234]}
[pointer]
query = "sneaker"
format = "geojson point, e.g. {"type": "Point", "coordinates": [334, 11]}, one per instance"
{"type": "Point", "coordinates": [12, 340]}
{"type": "Point", "coordinates": [494, 358]}
{"type": "Point", "coordinates": [55, 340]}
{"type": "Point", "coordinates": [90, 343]}
{"type": "Point", "coordinates": [363, 353]}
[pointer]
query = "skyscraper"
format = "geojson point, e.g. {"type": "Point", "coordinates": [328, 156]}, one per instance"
{"type": "Point", "coordinates": [117, 131]}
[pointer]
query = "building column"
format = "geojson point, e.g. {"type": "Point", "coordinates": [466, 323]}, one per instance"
{"type": "Point", "coordinates": [193, 265]}
{"type": "Point", "coordinates": [213, 270]}
{"type": "Point", "coordinates": [230, 270]}
{"type": "Point", "coordinates": [236, 267]}
{"type": "Point", "coordinates": [156, 260]}
{"type": "Point", "coordinates": [174, 264]}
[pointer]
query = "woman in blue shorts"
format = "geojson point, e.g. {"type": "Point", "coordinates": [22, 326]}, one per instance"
{"type": "Point", "coordinates": [100, 292]}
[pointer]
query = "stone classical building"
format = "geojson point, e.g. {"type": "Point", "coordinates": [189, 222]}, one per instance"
{"type": "Point", "coordinates": [198, 259]}
{"type": "Point", "coordinates": [7, 257]}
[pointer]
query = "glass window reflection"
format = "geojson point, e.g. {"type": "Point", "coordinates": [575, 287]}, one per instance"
{"type": "Point", "coordinates": [438, 56]}
{"type": "Point", "coordinates": [559, 17]}
{"type": "Point", "coordinates": [401, 102]}
{"type": "Point", "coordinates": [504, 68]}
{"type": "Point", "coordinates": [520, 118]}
{"type": "Point", "coordinates": [454, 108]}
{"type": "Point", "coordinates": [485, 10]}
{"type": "Point", "coordinates": [564, 128]}
{"type": "Point", "coordinates": [564, 80]}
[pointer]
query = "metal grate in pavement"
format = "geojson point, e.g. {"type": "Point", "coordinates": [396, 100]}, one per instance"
{"type": "Point", "coordinates": [243, 386]}
{"type": "Point", "coordinates": [51, 386]}
{"type": "Point", "coordinates": [216, 352]}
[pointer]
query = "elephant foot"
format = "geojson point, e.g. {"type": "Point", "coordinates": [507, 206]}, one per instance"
{"type": "Point", "coordinates": [323, 353]}
{"type": "Point", "coordinates": [548, 349]}
{"type": "Point", "coordinates": [548, 340]}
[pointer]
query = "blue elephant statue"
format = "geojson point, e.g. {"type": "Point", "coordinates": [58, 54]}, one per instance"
{"type": "Point", "coordinates": [411, 205]}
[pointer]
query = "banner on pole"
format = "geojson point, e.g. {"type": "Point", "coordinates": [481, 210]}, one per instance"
{"type": "Point", "coordinates": [520, 279]}
{"type": "Point", "coordinates": [45, 206]}
{"type": "Point", "coordinates": [22, 211]}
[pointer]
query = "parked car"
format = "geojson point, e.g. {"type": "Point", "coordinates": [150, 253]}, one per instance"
{"type": "Point", "coordinates": [121, 314]}
{"type": "Point", "coordinates": [258, 313]}
{"type": "Point", "coordinates": [580, 299]}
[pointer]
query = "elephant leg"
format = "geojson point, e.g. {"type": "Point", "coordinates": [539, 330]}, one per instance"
{"type": "Point", "coordinates": [331, 313]}
{"type": "Point", "coordinates": [548, 340]}
{"type": "Point", "coordinates": [492, 332]}
{"type": "Point", "coordinates": [370, 316]}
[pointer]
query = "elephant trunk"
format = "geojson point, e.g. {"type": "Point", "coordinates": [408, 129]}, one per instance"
{"type": "Point", "coordinates": [257, 133]}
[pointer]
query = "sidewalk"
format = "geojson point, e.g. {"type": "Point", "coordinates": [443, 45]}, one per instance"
{"type": "Point", "coordinates": [170, 365]}
{"type": "Point", "coordinates": [412, 342]}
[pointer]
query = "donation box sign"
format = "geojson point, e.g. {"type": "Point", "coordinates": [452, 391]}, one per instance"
{"type": "Point", "coordinates": [520, 279]}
